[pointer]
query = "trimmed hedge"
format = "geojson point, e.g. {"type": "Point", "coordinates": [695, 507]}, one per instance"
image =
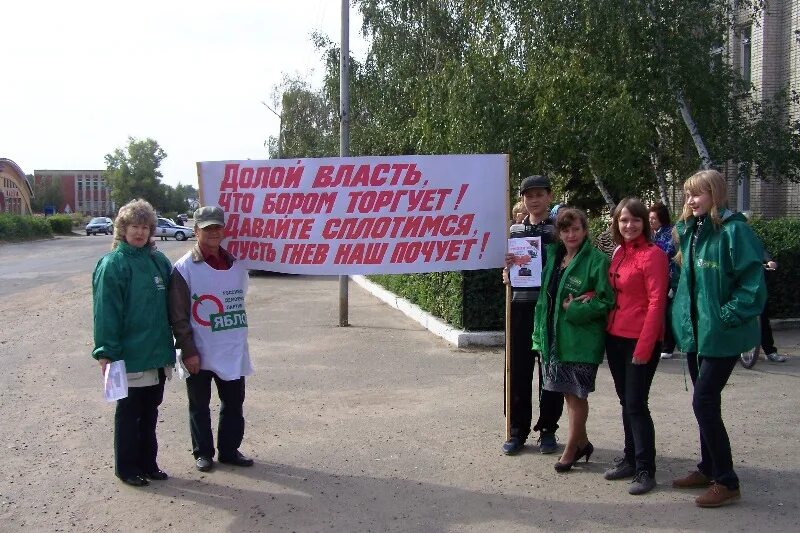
{"type": "Point", "coordinates": [475, 300]}
{"type": "Point", "coordinates": [23, 227]}
{"type": "Point", "coordinates": [61, 224]}
{"type": "Point", "coordinates": [781, 238]}
{"type": "Point", "coordinates": [472, 300]}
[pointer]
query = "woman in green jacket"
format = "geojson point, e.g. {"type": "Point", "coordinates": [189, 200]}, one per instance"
{"type": "Point", "coordinates": [720, 295]}
{"type": "Point", "coordinates": [131, 325]}
{"type": "Point", "coordinates": [570, 325]}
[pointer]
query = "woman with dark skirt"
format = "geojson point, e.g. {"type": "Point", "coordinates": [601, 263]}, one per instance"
{"type": "Point", "coordinates": [570, 325]}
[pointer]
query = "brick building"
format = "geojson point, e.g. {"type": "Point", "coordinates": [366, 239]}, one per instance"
{"type": "Point", "coordinates": [767, 53]}
{"type": "Point", "coordinates": [84, 191]}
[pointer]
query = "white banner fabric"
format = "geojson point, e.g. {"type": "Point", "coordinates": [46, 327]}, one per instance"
{"type": "Point", "coordinates": [362, 215]}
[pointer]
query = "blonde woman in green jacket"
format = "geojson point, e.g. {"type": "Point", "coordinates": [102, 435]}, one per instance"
{"type": "Point", "coordinates": [720, 295]}
{"type": "Point", "coordinates": [570, 324]}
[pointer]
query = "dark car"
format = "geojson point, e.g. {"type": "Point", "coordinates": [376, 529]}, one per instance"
{"type": "Point", "coordinates": [100, 225]}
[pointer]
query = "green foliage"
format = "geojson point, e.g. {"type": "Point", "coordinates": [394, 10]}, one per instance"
{"type": "Point", "coordinates": [597, 225]}
{"type": "Point", "coordinates": [781, 239]}
{"type": "Point", "coordinates": [472, 300]}
{"type": "Point", "coordinates": [307, 122]}
{"type": "Point", "coordinates": [587, 92]}
{"type": "Point", "coordinates": [48, 193]}
{"type": "Point", "coordinates": [60, 224]}
{"type": "Point", "coordinates": [133, 172]}
{"type": "Point", "coordinates": [79, 220]}
{"type": "Point", "coordinates": [438, 293]}
{"type": "Point", "coordinates": [23, 227]}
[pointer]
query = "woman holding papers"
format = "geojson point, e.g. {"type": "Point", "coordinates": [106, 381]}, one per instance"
{"type": "Point", "coordinates": [131, 326]}
{"type": "Point", "coordinates": [570, 325]}
{"type": "Point", "coordinates": [639, 275]}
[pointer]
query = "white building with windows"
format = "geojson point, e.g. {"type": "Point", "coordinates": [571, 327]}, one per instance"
{"type": "Point", "coordinates": [767, 53]}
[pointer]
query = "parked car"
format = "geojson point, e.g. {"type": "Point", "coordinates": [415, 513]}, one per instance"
{"type": "Point", "coordinates": [167, 228]}
{"type": "Point", "coordinates": [100, 225]}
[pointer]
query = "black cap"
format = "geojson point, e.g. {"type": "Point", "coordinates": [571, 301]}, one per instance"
{"type": "Point", "coordinates": [534, 182]}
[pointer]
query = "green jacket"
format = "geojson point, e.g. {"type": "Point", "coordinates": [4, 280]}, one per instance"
{"type": "Point", "coordinates": [580, 330]}
{"type": "Point", "coordinates": [727, 287]}
{"type": "Point", "coordinates": [129, 286]}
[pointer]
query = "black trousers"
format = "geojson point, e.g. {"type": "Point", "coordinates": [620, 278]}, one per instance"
{"type": "Point", "coordinates": [767, 341]}
{"type": "Point", "coordinates": [632, 383]}
{"type": "Point", "coordinates": [709, 376]}
{"type": "Point", "coordinates": [523, 360]}
{"type": "Point", "coordinates": [135, 443]}
{"type": "Point", "coordinates": [230, 430]}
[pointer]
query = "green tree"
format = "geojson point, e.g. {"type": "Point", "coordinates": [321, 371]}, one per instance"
{"type": "Point", "coordinates": [307, 122]}
{"type": "Point", "coordinates": [610, 98]}
{"type": "Point", "coordinates": [46, 193]}
{"type": "Point", "coordinates": [133, 172]}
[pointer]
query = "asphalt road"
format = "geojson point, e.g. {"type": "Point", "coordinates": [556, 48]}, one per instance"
{"type": "Point", "coordinates": [380, 426]}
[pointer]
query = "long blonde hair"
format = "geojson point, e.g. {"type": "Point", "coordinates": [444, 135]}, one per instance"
{"type": "Point", "coordinates": [713, 183]}
{"type": "Point", "coordinates": [134, 212]}
{"type": "Point", "coordinates": [705, 181]}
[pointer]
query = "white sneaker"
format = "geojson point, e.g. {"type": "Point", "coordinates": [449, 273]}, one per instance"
{"type": "Point", "coordinates": [666, 355]}
{"type": "Point", "coordinates": [775, 357]}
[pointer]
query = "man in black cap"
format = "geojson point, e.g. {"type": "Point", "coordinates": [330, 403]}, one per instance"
{"type": "Point", "coordinates": [209, 321]}
{"type": "Point", "coordinates": [535, 193]}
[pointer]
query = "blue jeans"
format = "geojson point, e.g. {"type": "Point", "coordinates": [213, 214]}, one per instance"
{"type": "Point", "coordinates": [709, 376]}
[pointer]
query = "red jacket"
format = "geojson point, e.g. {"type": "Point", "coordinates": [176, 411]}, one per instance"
{"type": "Point", "coordinates": [639, 274]}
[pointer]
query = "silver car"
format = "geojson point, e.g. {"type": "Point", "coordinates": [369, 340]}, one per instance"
{"type": "Point", "coordinates": [167, 228]}
{"type": "Point", "coordinates": [100, 225]}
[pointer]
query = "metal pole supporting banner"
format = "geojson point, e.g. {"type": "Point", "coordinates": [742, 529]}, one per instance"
{"type": "Point", "coordinates": [344, 132]}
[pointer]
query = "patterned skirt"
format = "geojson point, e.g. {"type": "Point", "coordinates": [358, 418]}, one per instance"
{"type": "Point", "coordinates": [570, 378]}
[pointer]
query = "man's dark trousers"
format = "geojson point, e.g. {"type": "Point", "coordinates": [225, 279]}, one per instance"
{"type": "Point", "coordinates": [551, 404]}
{"type": "Point", "coordinates": [231, 418]}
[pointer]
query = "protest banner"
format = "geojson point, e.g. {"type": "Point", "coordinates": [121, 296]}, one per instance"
{"type": "Point", "coordinates": [362, 215]}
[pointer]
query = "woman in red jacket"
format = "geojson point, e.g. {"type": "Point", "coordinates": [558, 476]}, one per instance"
{"type": "Point", "coordinates": [638, 274]}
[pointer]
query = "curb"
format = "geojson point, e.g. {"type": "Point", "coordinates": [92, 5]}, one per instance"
{"type": "Point", "coordinates": [458, 337]}
{"type": "Point", "coordinates": [785, 323]}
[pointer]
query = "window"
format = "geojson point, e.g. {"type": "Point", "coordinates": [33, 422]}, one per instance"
{"type": "Point", "coordinates": [744, 51]}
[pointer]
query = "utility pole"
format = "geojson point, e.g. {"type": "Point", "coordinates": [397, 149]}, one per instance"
{"type": "Point", "coordinates": [344, 133]}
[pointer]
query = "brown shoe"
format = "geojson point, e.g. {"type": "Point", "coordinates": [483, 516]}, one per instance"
{"type": "Point", "coordinates": [717, 495]}
{"type": "Point", "coordinates": [694, 480]}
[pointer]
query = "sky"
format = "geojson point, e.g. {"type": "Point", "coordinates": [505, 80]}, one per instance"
{"type": "Point", "coordinates": [80, 77]}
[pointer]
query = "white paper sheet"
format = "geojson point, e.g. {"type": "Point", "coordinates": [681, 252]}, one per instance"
{"type": "Point", "coordinates": [115, 383]}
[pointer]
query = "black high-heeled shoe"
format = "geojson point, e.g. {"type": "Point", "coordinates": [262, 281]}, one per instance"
{"type": "Point", "coordinates": [586, 451]}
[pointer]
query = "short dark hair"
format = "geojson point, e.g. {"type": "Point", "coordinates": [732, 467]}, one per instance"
{"type": "Point", "coordinates": [567, 217]}
{"type": "Point", "coordinates": [637, 209]}
{"type": "Point", "coordinates": [662, 213]}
